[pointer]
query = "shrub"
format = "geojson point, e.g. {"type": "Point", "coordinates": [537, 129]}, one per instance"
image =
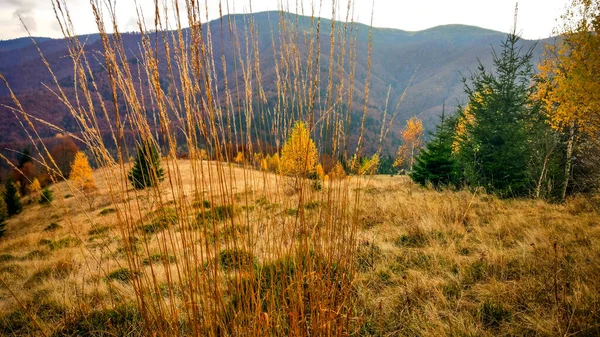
{"type": "Point", "coordinates": [107, 211]}
{"type": "Point", "coordinates": [46, 197]}
{"type": "Point", "coordinates": [52, 227]}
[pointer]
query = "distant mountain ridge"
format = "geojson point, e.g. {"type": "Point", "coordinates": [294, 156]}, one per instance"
{"type": "Point", "coordinates": [436, 56]}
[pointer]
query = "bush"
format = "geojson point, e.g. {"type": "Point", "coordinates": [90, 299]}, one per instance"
{"type": "Point", "coordinates": [52, 227]}
{"type": "Point", "coordinates": [46, 197]}
{"type": "Point", "coordinates": [107, 211]}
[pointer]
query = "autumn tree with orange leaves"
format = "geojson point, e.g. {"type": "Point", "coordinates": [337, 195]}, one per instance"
{"type": "Point", "coordinates": [412, 142]}
{"type": "Point", "coordinates": [569, 83]}
{"type": "Point", "coordinates": [82, 176]}
{"type": "Point", "coordinates": [299, 155]}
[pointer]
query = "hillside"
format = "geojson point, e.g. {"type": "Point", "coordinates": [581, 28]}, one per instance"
{"type": "Point", "coordinates": [428, 263]}
{"type": "Point", "coordinates": [436, 56]}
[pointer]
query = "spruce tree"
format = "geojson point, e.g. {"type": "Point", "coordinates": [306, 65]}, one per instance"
{"type": "Point", "coordinates": [146, 170]}
{"type": "Point", "coordinates": [493, 147]}
{"type": "Point", "coordinates": [436, 164]}
{"type": "Point", "coordinates": [12, 198]}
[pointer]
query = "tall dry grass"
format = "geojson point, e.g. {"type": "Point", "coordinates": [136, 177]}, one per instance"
{"type": "Point", "coordinates": [217, 248]}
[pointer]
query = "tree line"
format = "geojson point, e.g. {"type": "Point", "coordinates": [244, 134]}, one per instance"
{"type": "Point", "coordinates": [523, 133]}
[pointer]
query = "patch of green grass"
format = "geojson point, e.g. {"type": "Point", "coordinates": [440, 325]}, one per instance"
{"type": "Point", "coordinates": [493, 314]}
{"type": "Point", "coordinates": [59, 271]}
{"type": "Point", "coordinates": [217, 213]}
{"type": "Point", "coordinates": [416, 239]}
{"type": "Point", "coordinates": [67, 242]}
{"type": "Point", "coordinates": [36, 254]}
{"type": "Point", "coordinates": [123, 320]}
{"type": "Point", "coordinates": [107, 211]}
{"type": "Point", "coordinates": [158, 258]}
{"type": "Point", "coordinates": [52, 227]}
{"type": "Point", "coordinates": [230, 259]}
{"type": "Point", "coordinates": [367, 255]}
{"type": "Point", "coordinates": [159, 220]}
{"type": "Point", "coordinates": [122, 274]}
{"type": "Point", "coordinates": [292, 212]}
{"type": "Point", "coordinates": [6, 257]}
{"type": "Point", "coordinates": [312, 205]}
{"type": "Point", "coordinates": [98, 230]}
{"type": "Point", "coordinates": [14, 269]}
{"type": "Point", "coordinates": [201, 204]}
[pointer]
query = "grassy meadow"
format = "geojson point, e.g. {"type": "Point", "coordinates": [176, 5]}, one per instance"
{"type": "Point", "coordinates": [427, 263]}
{"type": "Point", "coordinates": [228, 244]}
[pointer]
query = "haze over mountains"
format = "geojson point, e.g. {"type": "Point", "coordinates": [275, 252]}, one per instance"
{"type": "Point", "coordinates": [435, 56]}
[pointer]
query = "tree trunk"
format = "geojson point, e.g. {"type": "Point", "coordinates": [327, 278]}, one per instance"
{"type": "Point", "coordinates": [538, 188]}
{"type": "Point", "coordinates": [568, 164]}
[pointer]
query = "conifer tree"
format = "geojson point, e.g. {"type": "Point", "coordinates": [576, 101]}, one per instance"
{"type": "Point", "coordinates": [493, 150]}
{"type": "Point", "coordinates": [299, 154]}
{"type": "Point", "coordinates": [12, 199]}
{"type": "Point", "coordinates": [436, 164]}
{"type": "Point", "coordinates": [146, 171]}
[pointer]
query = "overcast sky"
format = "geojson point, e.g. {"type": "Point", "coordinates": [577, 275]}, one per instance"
{"type": "Point", "coordinates": [536, 20]}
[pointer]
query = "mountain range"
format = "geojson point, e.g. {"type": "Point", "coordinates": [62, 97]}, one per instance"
{"type": "Point", "coordinates": [437, 57]}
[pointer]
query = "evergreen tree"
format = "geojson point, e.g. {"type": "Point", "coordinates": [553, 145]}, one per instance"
{"type": "Point", "coordinates": [493, 149]}
{"type": "Point", "coordinates": [146, 170]}
{"type": "Point", "coordinates": [12, 199]}
{"type": "Point", "coordinates": [436, 164]}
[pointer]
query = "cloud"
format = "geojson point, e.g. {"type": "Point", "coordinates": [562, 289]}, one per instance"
{"type": "Point", "coordinates": [23, 9]}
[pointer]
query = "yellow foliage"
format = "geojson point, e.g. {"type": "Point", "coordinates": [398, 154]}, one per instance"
{"type": "Point", "coordinates": [369, 166]}
{"type": "Point", "coordinates": [34, 188]}
{"type": "Point", "coordinates": [239, 158]}
{"type": "Point", "coordinates": [319, 171]}
{"type": "Point", "coordinates": [264, 166]}
{"type": "Point", "coordinates": [569, 86]}
{"type": "Point", "coordinates": [299, 154]}
{"type": "Point", "coordinates": [81, 173]}
{"type": "Point", "coordinates": [338, 172]}
{"type": "Point", "coordinates": [273, 162]}
{"type": "Point", "coordinates": [412, 142]}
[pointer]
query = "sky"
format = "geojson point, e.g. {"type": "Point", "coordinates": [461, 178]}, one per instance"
{"type": "Point", "coordinates": [536, 18]}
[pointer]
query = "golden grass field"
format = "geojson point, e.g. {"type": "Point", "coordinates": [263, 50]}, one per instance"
{"type": "Point", "coordinates": [428, 263]}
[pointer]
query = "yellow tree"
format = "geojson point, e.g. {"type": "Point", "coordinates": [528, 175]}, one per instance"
{"type": "Point", "coordinates": [568, 80]}
{"type": "Point", "coordinates": [81, 176]}
{"type": "Point", "coordinates": [412, 142]}
{"type": "Point", "coordinates": [299, 154]}
{"type": "Point", "coordinates": [34, 188]}
{"type": "Point", "coordinates": [273, 162]}
{"type": "Point", "coordinates": [239, 159]}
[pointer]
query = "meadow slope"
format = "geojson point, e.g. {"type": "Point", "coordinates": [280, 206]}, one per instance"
{"type": "Point", "coordinates": [428, 263]}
